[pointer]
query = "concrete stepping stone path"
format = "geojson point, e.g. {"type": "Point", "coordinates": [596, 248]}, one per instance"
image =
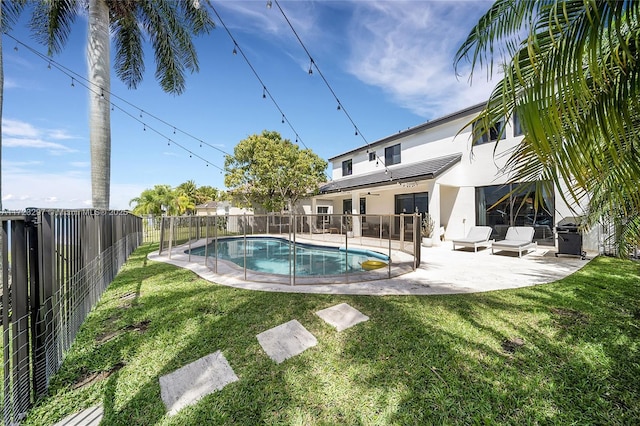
{"type": "Point", "coordinates": [342, 316]}
{"type": "Point", "coordinates": [286, 340]}
{"type": "Point", "coordinates": [189, 384]}
{"type": "Point", "coordinates": [91, 416]}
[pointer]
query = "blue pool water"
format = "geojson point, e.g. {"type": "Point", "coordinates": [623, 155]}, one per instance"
{"type": "Point", "coordinates": [271, 255]}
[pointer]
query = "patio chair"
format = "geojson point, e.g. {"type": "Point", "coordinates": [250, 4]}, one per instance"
{"type": "Point", "coordinates": [478, 236]}
{"type": "Point", "coordinates": [518, 238]}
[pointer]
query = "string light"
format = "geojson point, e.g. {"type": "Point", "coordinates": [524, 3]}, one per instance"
{"type": "Point", "coordinates": [265, 91]}
{"type": "Point", "coordinates": [72, 84]}
{"type": "Point", "coordinates": [235, 52]}
{"type": "Point", "coordinates": [269, 4]}
{"type": "Point", "coordinates": [326, 82]}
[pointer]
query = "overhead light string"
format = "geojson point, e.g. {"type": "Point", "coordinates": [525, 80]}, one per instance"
{"type": "Point", "coordinates": [314, 64]}
{"type": "Point", "coordinates": [265, 92]}
{"type": "Point", "coordinates": [75, 77]}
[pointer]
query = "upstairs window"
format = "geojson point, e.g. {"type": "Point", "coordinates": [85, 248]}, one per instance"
{"type": "Point", "coordinates": [372, 156]}
{"type": "Point", "coordinates": [347, 168]}
{"type": "Point", "coordinates": [495, 132]}
{"type": "Point", "coordinates": [517, 126]}
{"type": "Point", "coordinates": [392, 155]}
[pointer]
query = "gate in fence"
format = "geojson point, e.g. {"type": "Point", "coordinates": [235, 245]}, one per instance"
{"type": "Point", "coordinates": [55, 266]}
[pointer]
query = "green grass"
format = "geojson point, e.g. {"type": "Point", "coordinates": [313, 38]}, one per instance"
{"type": "Point", "coordinates": [563, 353]}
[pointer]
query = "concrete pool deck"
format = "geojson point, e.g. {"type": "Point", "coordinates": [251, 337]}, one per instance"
{"type": "Point", "coordinates": [442, 271]}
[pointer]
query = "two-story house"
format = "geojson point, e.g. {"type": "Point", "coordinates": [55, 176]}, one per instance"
{"type": "Point", "coordinates": [431, 168]}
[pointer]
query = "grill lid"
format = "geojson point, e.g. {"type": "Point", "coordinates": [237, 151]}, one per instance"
{"type": "Point", "coordinates": [569, 223]}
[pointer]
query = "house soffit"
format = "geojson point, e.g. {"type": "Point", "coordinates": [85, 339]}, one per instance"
{"type": "Point", "coordinates": [421, 170]}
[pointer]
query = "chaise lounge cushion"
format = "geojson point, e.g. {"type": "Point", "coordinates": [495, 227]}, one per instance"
{"type": "Point", "coordinates": [518, 239]}
{"type": "Point", "coordinates": [478, 236]}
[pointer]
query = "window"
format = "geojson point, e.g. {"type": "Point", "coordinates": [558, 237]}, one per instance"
{"type": "Point", "coordinates": [347, 167]}
{"type": "Point", "coordinates": [495, 132]}
{"type": "Point", "coordinates": [347, 208]}
{"type": "Point", "coordinates": [502, 206]}
{"type": "Point", "coordinates": [517, 126]}
{"type": "Point", "coordinates": [323, 215]}
{"type": "Point", "coordinates": [372, 156]}
{"type": "Point", "coordinates": [392, 155]}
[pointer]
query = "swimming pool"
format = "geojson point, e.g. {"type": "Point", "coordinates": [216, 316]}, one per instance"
{"type": "Point", "coordinates": [272, 255]}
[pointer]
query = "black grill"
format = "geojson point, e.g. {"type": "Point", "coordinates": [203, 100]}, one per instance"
{"type": "Point", "coordinates": [569, 237]}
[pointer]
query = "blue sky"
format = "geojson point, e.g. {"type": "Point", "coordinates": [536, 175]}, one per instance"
{"type": "Point", "coordinates": [390, 63]}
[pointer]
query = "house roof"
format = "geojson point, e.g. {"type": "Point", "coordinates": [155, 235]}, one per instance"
{"type": "Point", "coordinates": [416, 129]}
{"type": "Point", "coordinates": [208, 205]}
{"type": "Point", "coordinates": [421, 170]}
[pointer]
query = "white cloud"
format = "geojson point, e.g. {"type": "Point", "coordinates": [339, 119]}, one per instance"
{"type": "Point", "coordinates": [35, 143]}
{"type": "Point", "coordinates": [407, 49]}
{"type": "Point", "coordinates": [20, 134]}
{"type": "Point", "coordinates": [24, 188]}
{"type": "Point", "coordinates": [19, 129]}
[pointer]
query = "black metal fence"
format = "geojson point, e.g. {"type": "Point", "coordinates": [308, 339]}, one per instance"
{"type": "Point", "coordinates": [55, 266]}
{"type": "Point", "coordinates": [386, 233]}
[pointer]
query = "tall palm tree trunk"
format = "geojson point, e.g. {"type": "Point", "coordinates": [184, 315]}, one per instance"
{"type": "Point", "coordinates": [98, 59]}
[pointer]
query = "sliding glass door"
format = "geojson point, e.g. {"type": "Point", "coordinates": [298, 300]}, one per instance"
{"type": "Point", "coordinates": [499, 211]}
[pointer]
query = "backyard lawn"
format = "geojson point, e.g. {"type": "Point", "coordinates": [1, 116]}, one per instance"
{"type": "Point", "coordinates": [564, 353]}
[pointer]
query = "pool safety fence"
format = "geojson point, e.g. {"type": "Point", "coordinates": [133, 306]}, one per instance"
{"type": "Point", "coordinates": [387, 234]}
{"type": "Point", "coordinates": [55, 266]}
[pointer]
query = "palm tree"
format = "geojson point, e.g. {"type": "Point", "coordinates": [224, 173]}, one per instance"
{"type": "Point", "coordinates": [168, 24]}
{"type": "Point", "coordinates": [572, 78]}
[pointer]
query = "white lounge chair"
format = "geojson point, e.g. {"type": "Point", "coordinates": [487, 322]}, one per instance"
{"type": "Point", "coordinates": [478, 236]}
{"type": "Point", "coordinates": [518, 238]}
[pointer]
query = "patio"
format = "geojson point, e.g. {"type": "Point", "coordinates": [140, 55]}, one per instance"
{"type": "Point", "coordinates": [442, 271]}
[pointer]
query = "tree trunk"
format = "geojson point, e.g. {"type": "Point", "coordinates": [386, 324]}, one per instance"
{"type": "Point", "coordinates": [98, 60]}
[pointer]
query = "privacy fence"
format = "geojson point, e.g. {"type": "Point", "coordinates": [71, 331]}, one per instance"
{"type": "Point", "coordinates": [55, 266]}
{"type": "Point", "coordinates": [384, 233]}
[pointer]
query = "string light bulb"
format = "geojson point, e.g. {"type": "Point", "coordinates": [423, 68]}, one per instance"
{"type": "Point", "coordinates": [235, 52]}
{"type": "Point", "coordinates": [282, 118]}
{"type": "Point", "coordinates": [72, 83]}
{"type": "Point", "coordinates": [264, 92]}
{"type": "Point", "coordinates": [269, 4]}
{"type": "Point", "coordinates": [311, 67]}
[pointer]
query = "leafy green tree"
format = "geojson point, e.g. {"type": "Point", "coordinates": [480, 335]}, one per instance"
{"type": "Point", "coordinates": [207, 193]}
{"type": "Point", "coordinates": [168, 24]}
{"type": "Point", "coordinates": [572, 78]}
{"type": "Point", "coordinates": [268, 171]}
{"type": "Point", "coordinates": [155, 201]}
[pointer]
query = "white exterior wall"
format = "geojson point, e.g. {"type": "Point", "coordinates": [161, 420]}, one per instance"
{"type": "Point", "coordinates": [452, 194]}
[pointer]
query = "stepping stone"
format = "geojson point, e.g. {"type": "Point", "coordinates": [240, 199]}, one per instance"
{"type": "Point", "coordinates": [189, 384]}
{"type": "Point", "coordinates": [91, 416]}
{"type": "Point", "coordinates": [342, 316]}
{"type": "Point", "coordinates": [286, 340]}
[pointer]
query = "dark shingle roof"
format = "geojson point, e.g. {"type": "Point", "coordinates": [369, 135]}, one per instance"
{"type": "Point", "coordinates": [422, 170]}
